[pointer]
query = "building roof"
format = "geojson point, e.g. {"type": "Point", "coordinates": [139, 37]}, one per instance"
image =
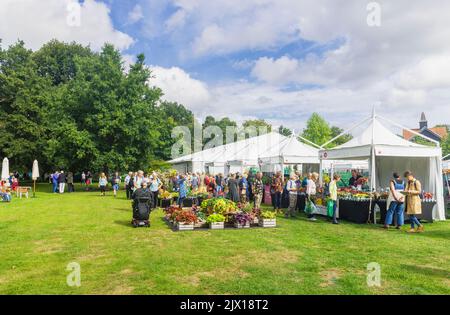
{"type": "Point", "coordinates": [439, 131]}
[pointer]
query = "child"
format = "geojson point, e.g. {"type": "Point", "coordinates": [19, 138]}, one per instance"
{"type": "Point", "coordinates": [102, 182]}
{"type": "Point", "coordinates": [115, 181]}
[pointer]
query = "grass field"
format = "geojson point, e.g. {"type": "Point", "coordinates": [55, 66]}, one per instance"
{"type": "Point", "coordinates": [40, 236]}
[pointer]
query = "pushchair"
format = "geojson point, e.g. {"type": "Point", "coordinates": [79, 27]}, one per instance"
{"type": "Point", "coordinates": [141, 211]}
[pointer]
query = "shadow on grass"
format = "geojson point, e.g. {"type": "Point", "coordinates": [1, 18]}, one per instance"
{"type": "Point", "coordinates": [126, 223]}
{"type": "Point", "coordinates": [435, 234]}
{"type": "Point", "coordinates": [427, 271]}
{"type": "Point", "coordinates": [168, 224]}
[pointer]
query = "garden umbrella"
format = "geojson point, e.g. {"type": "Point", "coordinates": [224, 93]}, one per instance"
{"type": "Point", "coordinates": [5, 169]}
{"type": "Point", "coordinates": [35, 175]}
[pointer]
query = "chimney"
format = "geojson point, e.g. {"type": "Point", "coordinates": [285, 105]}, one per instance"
{"type": "Point", "coordinates": [423, 122]}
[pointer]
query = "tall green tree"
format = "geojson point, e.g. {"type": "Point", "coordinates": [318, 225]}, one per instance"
{"type": "Point", "coordinates": [175, 115]}
{"type": "Point", "coordinates": [284, 131]}
{"type": "Point", "coordinates": [57, 60]}
{"type": "Point", "coordinates": [336, 131]}
{"type": "Point", "coordinates": [446, 145]}
{"type": "Point", "coordinates": [317, 130]}
{"type": "Point", "coordinates": [222, 124]}
{"type": "Point", "coordinates": [24, 95]}
{"type": "Point", "coordinates": [260, 124]}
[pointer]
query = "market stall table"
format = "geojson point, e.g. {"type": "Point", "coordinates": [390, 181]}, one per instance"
{"type": "Point", "coordinates": [356, 211]}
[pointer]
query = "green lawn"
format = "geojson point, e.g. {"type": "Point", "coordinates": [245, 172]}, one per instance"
{"type": "Point", "coordinates": [40, 236]}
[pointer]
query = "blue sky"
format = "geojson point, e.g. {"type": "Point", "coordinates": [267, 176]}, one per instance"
{"type": "Point", "coordinates": [165, 50]}
{"type": "Point", "coordinates": [279, 60]}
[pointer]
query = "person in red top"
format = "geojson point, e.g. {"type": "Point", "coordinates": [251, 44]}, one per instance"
{"type": "Point", "coordinates": [206, 180]}
{"type": "Point", "coordinates": [211, 185]}
{"type": "Point", "coordinates": [15, 183]}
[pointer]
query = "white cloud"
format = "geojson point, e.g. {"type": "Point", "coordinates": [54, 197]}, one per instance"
{"type": "Point", "coordinates": [36, 22]}
{"type": "Point", "coordinates": [178, 86]}
{"type": "Point", "coordinates": [135, 15]}
{"type": "Point", "coordinates": [275, 71]}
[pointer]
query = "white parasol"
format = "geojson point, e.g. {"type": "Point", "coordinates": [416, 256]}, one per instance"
{"type": "Point", "coordinates": [35, 172]}
{"type": "Point", "coordinates": [5, 169]}
{"type": "Point", "coordinates": [35, 175]}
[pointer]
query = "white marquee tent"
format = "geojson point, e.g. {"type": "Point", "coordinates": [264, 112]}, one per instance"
{"type": "Point", "coordinates": [288, 152]}
{"type": "Point", "coordinates": [265, 150]}
{"type": "Point", "coordinates": [387, 152]}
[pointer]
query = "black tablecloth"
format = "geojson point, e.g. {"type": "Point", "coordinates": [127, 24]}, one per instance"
{"type": "Point", "coordinates": [356, 211]}
{"type": "Point", "coordinates": [427, 212]}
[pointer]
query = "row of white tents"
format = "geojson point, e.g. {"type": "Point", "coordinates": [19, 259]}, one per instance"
{"type": "Point", "coordinates": [376, 146]}
{"type": "Point", "coordinates": [268, 151]}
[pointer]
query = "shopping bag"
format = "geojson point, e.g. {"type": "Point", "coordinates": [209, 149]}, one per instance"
{"type": "Point", "coordinates": [330, 208]}
{"type": "Point", "coordinates": [310, 207]}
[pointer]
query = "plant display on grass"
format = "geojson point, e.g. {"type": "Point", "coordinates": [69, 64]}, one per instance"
{"type": "Point", "coordinates": [267, 214]}
{"type": "Point", "coordinates": [216, 217]}
{"type": "Point", "coordinates": [185, 217]}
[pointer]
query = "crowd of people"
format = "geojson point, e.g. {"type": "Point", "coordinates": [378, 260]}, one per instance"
{"type": "Point", "coordinates": [60, 179]}
{"type": "Point", "coordinates": [299, 191]}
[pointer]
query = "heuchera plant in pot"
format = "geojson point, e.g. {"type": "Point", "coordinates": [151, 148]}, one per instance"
{"type": "Point", "coordinates": [242, 219]}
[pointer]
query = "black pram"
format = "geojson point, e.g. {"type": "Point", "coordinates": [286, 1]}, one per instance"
{"type": "Point", "coordinates": [142, 203]}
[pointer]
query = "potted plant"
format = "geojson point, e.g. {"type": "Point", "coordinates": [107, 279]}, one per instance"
{"type": "Point", "coordinates": [171, 213]}
{"type": "Point", "coordinates": [242, 220]}
{"type": "Point", "coordinates": [185, 220]}
{"type": "Point", "coordinates": [201, 217]}
{"type": "Point", "coordinates": [216, 221]}
{"type": "Point", "coordinates": [268, 219]}
{"type": "Point", "coordinates": [254, 214]}
{"type": "Point", "coordinates": [166, 199]}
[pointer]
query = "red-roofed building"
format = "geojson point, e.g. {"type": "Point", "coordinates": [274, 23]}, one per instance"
{"type": "Point", "coordinates": [435, 133]}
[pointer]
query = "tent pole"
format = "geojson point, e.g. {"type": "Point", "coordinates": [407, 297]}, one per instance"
{"type": "Point", "coordinates": [321, 172]}
{"type": "Point", "coordinates": [372, 168]}
{"type": "Point", "coordinates": [372, 184]}
{"type": "Point", "coordinates": [309, 142]}
{"type": "Point", "coordinates": [345, 132]}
